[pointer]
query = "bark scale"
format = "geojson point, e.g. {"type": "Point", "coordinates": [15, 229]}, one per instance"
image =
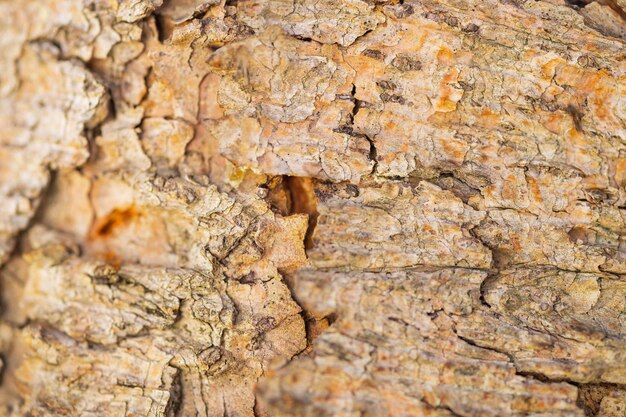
{"type": "Point", "coordinates": [313, 208]}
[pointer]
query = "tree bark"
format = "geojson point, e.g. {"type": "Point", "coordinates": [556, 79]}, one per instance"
{"type": "Point", "coordinates": [313, 208]}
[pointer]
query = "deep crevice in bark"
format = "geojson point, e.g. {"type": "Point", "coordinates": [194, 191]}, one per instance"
{"type": "Point", "coordinates": [303, 201]}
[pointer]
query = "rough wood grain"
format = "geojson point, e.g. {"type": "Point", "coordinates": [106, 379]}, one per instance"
{"type": "Point", "coordinates": [313, 208]}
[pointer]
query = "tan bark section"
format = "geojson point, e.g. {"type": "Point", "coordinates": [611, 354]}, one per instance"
{"type": "Point", "coordinates": [313, 208]}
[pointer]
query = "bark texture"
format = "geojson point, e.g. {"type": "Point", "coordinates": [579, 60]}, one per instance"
{"type": "Point", "coordinates": [313, 208]}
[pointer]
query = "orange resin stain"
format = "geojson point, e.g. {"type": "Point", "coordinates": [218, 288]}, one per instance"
{"type": "Point", "coordinates": [445, 56]}
{"type": "Point", "coordinates": [601, 100]}
{"type": "Point", "coordinates": [569, 74]}
{"type": "Point", "coordinates": [454, 149]}
{"type": "Point", "coordinates": [515, 241]}
{"type": "Point", "coordinates": [596, 85]}
{"type": "Point", "coordinates": [448, 96]}
{"type": "Point", "coordinates": [111, 258]}
{"type": "Point", "coordinates": [530, 54]}
{"type": "Point", "coordinates": [108, 225]}
{"type": "Point", "coordinates": [488, 118]}
{"type": "Point", "coordinates": [549, 69]}
{"type": "Point", "coordinates": [601, 112]}
{"type": "Point", "coordinates": [573, 135]}
{"type": "Point", "coordinates": [445, 104]}
{"type": "Point", "coordinates": [391, 125]}
{"type": "Point", "coordinates": [589, 82]}
{"type": "Point", "coordinates": [534, 189]}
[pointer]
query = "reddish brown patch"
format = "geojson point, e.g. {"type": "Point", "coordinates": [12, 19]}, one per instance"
{"type": "Point", "coordinates": [111, 259]}
{"type": "Point", "coordinates": [516, 243]}
{"type": "Point", "coordinates": [304, 201]}
{"type": "Point", "coordinates": [578, 235]}
{"type": "Point", "coordinates": [108, 225]}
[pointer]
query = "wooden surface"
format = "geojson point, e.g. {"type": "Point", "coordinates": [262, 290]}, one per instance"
{"type": "Point", "coordinates": [313, 208]}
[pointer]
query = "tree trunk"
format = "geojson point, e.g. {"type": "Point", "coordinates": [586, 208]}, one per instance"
{"type": "Point", "coordinates": [313, 208]}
